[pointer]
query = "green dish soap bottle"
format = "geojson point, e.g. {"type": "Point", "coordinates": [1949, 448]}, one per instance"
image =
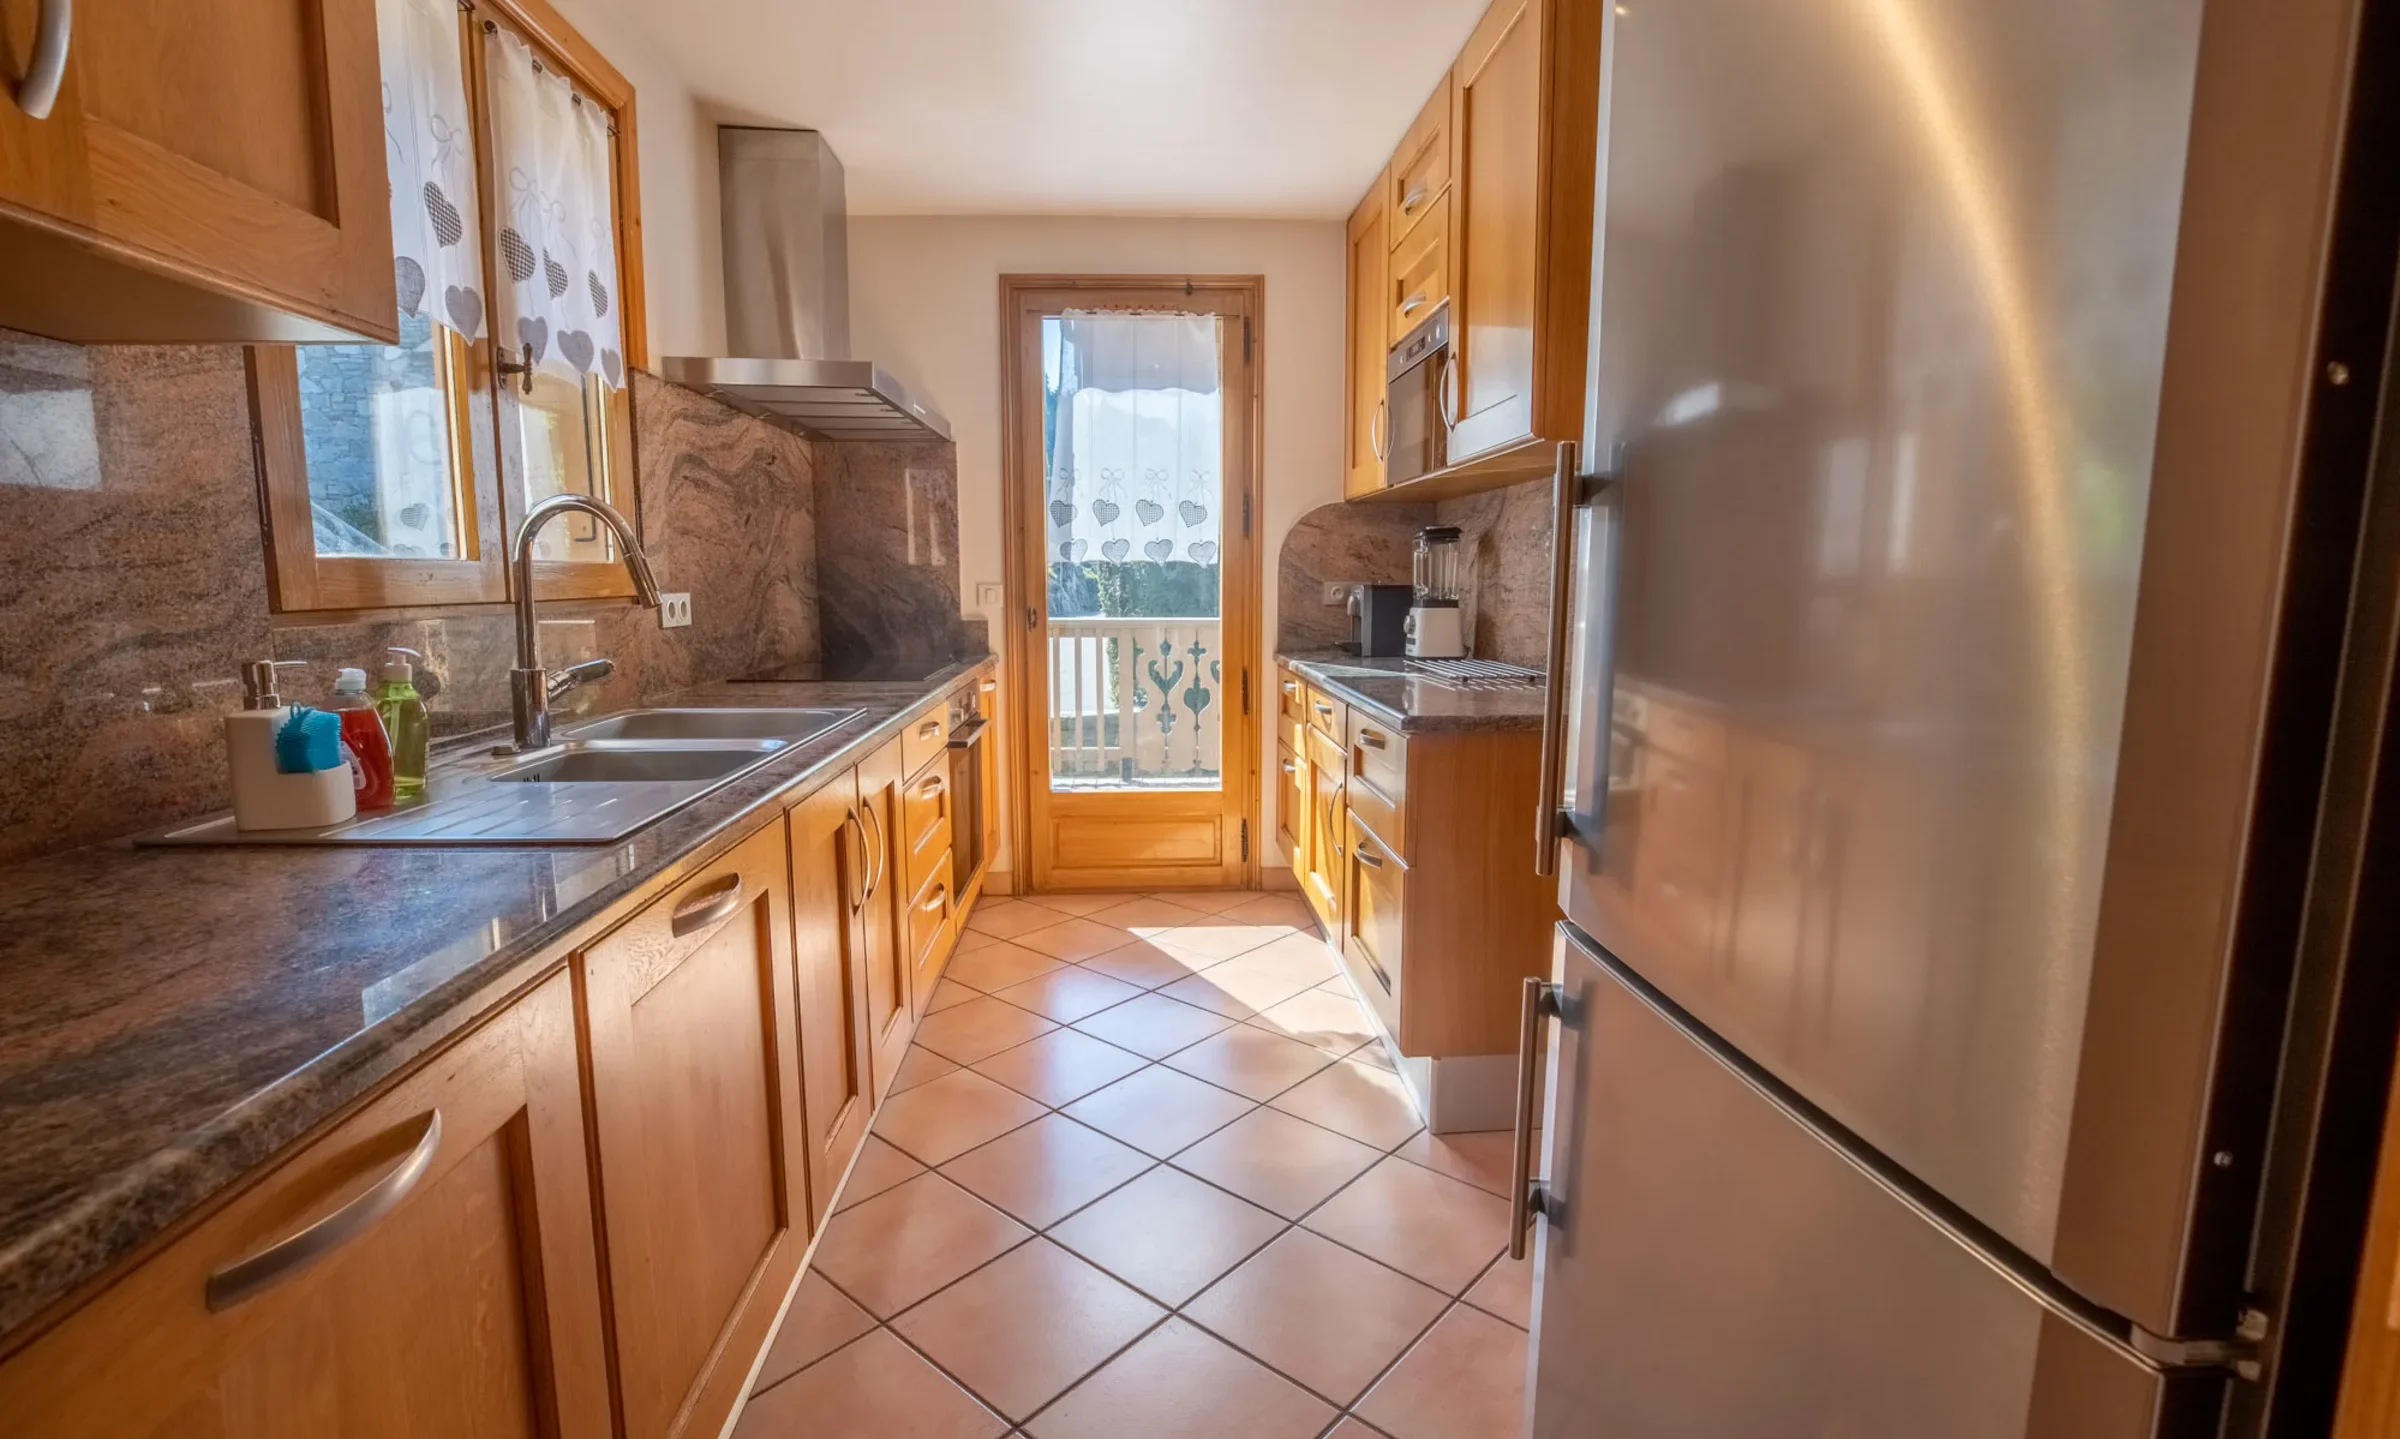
{"type": "Point", "coordinates": [403, 711]}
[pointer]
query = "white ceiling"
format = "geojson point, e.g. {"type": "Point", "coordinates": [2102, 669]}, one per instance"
{"type": "Point", "coordinates": [1182, 107]}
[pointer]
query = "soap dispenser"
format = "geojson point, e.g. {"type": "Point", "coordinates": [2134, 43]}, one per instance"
{"type": "Point", "coordinates": [403, 711]}
{"type": "Point", "coordinates": [268, 791]}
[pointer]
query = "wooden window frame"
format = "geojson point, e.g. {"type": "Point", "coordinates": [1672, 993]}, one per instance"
{"type": "Point", "coordinates": [490, 480]}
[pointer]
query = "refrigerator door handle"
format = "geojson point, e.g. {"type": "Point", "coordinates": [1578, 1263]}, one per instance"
{"type": "Point", "coordinates": [1569, 489]}
{"type": "Point", "coordinates": [1542, 1000]}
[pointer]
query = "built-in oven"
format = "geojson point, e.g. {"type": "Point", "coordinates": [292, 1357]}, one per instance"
{"type": "Point", "coordinates": [1417, 435]}
{"type": "Point", "coordinates": [968, 755]}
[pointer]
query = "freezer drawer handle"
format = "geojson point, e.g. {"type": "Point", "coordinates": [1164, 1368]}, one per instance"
{"type": "Point", "coordinates": [1525, 1198]}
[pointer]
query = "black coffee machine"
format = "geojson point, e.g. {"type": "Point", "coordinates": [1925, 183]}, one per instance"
{"type": "Point", "coordinates": [1378, 619]}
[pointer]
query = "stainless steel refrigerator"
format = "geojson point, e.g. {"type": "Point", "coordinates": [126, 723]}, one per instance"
{"type": "Point", "coordinates": [1924, 572]}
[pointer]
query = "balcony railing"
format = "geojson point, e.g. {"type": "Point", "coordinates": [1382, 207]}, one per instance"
{"type": "Point", "coordinates": [1135, 704]}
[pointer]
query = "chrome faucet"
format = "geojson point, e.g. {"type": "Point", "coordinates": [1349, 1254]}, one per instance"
{"type": "Point", "coordinates": [530, 687]}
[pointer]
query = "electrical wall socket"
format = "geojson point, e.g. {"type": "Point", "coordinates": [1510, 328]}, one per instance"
{"type": "Point", "coordinates": [1337, 592]}
{"type": "Point", "coordinates": [989, 596]}
{"type": "Point", "coordinates": [675, 610]}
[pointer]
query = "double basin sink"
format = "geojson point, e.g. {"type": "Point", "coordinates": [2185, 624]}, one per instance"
{"type": "Point", "coordinates": [599, 783]}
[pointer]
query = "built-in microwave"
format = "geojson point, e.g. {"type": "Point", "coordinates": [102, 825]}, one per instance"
{"type": "Point", "coordinates": [1417, 434]}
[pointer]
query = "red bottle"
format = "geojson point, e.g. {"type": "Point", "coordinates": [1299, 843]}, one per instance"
{"type": "Point", "coordinates": [369, 747]}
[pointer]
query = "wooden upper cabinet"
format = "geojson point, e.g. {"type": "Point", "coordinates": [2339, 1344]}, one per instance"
{"type": "Point", "coordinates": [832, 873]}
{"type": "Point", "coordinates": [1366, 422]}
{"type": "Point", "coordinates": [462, 1294]}
{"type": "Point", "coordinates": [695, 1084]}
{"type": "Point", "coordinates": [212, 170]}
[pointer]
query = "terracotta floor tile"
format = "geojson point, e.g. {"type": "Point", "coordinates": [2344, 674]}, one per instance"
{"type": "Point", "coordinates": [1008, 918]}
{"type": "Point", "coordinates": [905, 1243]}
{"type": "Point", "coordinates": [947, 995]}
{"type": "Point", "coordinates": [1339, 984]}
{"type": "Point", "coordinates": [1081, 903]}
{"type": "Point", "coordinates": [970, 940]}
{"type": "Point", "coordinates": [1464, 1380]}
{"type": "Point", "coordinates": [1250, 1062]}
{"type": "Point", "coordinates": [1178, 1383]}
{"type": "Point", "coordinates": [1143, 915]}
{"type": "Point", "coordinates": [1506, 1291]}
{"type": "Point", "coordinates": [1319, 1313]}
{"type": "Point", "coordinates": [1288, 910]}
{"type": "Point", "coordinates": [1219, 938]}
{"type": "Point", "coordinates": [1248, 984]}
{"type": "Point", "coordinates": [1147, 964]}
{"type": "Point", "coordinates": [1425, 1225]}
{"type": "Point", "coordinates": [1352, 1427]}
{"type": "Point", "coordinates": [997, 966]}
{"type": "Point", "coordinates": [1159, 1111]}
{"type": "Point", "coordinates": [875, 1386]}
{"type": "Point", "coordinates": [1335, 1023]}
{"type": "Point", "coordinates": [918, 1066]}
{"type": "Point", "coordinates": [877, 1168]}
{"type": "Point", "coordinates": [1167, 1234]}
{"type": "Point", "coordinates": [1073, 939]}
{"type": "Point", "coordinates": [1153, 1025]}
{"type": "Point", "coordinates": [820, 1320]}
{"type": "Point", "coordinates": [1047, 1170]}
{"type": "Point", "coordinates": [1021, 1329]}
{"type": "Point", "coordinates": [944, 1118]}
{"type": "Point", "coordinates": [979, 1029]}
{"type": "Point", "coordinates": [1060, 1067]}
{"type": "Point", "coordinates": [1480, 1157]}
{"type": "Point", "coordinates": [1298, 956]}
{"type": "Point", "coordinates": [1068, 993]}
{"type": "Point", "coordinates": [1279, 1162]}
{"type": "Point", "coordinates": [1370, 1105]}
{"type": "Point", "coordinates": [1207, 901]}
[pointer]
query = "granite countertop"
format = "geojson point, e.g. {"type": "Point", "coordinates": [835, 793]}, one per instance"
{"type": "Point", "coordinates": [176, 1017]}
{"type": "Point", "coordinates": [1413, 703]}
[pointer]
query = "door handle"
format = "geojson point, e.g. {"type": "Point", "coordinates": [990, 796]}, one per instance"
{"type": "Point", "coordinates": [851, 825]}
{"type": "Point", "coordinates": [1552, 789]}
{"type": "Point", "coordinates": [883, 852]}
{"type": "Point", "coordinates": [1377, 439]}
{"type": "Point", "coordinates": [1413, 303]}
{"type": "Point", "coordinates": [1541, 1000]}
{"type": "Point", "coordinates": [1442, 396]}
{"type": "Point", "coordinates": [707, 909]}
{"type": "Point", "coordinates": [53, 33]}
{"type": "Point", "coordinates": [286, 1257]}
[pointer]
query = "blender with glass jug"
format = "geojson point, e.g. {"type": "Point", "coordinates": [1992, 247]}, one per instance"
{"type": "Point", "coordinates": [1435, 630]}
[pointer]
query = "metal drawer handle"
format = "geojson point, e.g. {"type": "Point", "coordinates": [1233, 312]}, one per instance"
{"type": "Point", "coordinates": [883, 853]}
{"type": "Point", "coordinates": [987, 687]}
{"type": "Point", "coordinates": [286, 1257]}
{"type": "Point", "coordinates": [52, 34]}
{"type": "Point", "coordinates": [1368, 857]}
{"type": "Point", "coordinates": [932, 787]}
{"type": "Point", "coordinates": [1410, 201]}
{"type": "Point", "coordinates": [707, 909]}
{"type": "Point", "coordinates": [1413, 303]}
{"type": "Point", "coordinates": [929, 729]}
{"type": "Point", "coordinates": [941, 893]}
{"type": "Point", "coordinates": [1373, 740]}
{"type": "Point", "coordinates": [1291, 766]}
{"type": "Point", "coordinates": [1292, 688]}
{"type": "Point", "coordinates": [1325, 709]}
{"type": "Point", "coordinates": [1541, 1001]}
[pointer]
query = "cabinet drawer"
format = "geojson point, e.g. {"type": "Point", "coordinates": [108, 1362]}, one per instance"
{"type": "Point", "coordinates": [925, 814]}
{"type": "Point", "coordinates": [929, 920]}
{"type": "Point", "coordinates": [1378, 908]}
{"type": "Point", "coordinates": [1420, 173]}
{"type": "Point", "coordinates": [1421, 271]}
{"type": "Point", "coordinates": [1378, 778]}
{"type": "Point", "coordinates": [1327, 716]}
{"type": "Point", "coordinates": [926, 738]}
{"type": "Point", "coordinates": [459, 1293]}
{"type": "Point", "coordinates": [1291, 699]}
{"type": "Point", "coordinates": [1322, 881]}
{"type": "Point", "coordinates": [1291, 799]}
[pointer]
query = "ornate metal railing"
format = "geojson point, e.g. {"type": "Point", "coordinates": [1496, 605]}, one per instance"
{"type": "Point", "coordinates": [1137, 703]}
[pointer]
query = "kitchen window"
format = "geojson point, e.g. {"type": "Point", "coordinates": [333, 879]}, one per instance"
{"type": "Point", "coordinates": [393, 475]}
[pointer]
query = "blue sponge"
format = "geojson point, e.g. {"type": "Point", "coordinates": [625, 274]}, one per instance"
{"type": "Point", "coordinates": [311, 740]}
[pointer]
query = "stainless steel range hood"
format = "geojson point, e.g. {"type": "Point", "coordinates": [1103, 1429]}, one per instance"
{"type": "Point", "coordinates": [787, 299]}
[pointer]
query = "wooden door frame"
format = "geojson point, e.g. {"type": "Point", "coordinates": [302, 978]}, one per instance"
{"type": "Point", "coordinates": [1242, 605]}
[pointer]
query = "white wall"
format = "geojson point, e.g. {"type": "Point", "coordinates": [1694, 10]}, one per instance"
{"type": "Point", "coordinates": [682, 266]}
{"type": "Point", "coordinates": [925, 303]}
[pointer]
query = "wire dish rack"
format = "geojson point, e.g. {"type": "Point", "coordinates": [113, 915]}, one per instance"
{"type": "Point", "coordinates": [1476, 674]}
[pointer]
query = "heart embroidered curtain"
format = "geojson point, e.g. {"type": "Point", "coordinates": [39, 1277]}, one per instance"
{"type": "Point", "coordinates": [437, 247]}
{"type": "Point", "coordinates": [1137, 460]}
{"type": "Point", "coordinates": [558, 244]}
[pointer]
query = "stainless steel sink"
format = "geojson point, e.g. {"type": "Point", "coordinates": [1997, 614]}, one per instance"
{"type": "Point", "coordinates": [579, 764]}
{"type": "Point", "coordinates": [789, 725]}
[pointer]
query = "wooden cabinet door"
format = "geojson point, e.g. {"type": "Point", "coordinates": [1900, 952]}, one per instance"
{"type": "Point", "coordinates": [235, 145]}
{"type": "Point", "coordinates": [831, 868]}
{"type": "Point", "coordinates": [463, 1297]}
{"type": "Point", "coordinates": [1368, 423]}
{"type": "Point", "coordinates": [42, 165]}
{"type": "Point", "coordinates": [695, 1084]}
{"type": "Point", "coordinates": [1291, 806]}
{"type": "Point", "coordinates": [1497, 95]}
{"type": "Point", "coordinates": [890, 1006]}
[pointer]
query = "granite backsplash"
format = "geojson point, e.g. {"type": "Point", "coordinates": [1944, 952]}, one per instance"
{"type": "Point", "coordinates": [1505, 537]}
{"type": "Point", "coordinates": [133, 579]}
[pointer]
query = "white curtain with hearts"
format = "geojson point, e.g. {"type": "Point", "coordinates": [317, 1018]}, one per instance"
{"type": "Point", "coordinates": [558, 242]}
{"type": "Point", "coordinates": [437, 247]}
{"type": "Point", "coordinates": [1138, 455]}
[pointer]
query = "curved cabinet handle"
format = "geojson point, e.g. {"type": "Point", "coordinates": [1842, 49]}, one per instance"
{"type": "Point", "coordinates": [850, 825]}
{"type": "Point", "coordinates": [883, 853]}
{"type": "Point", "coordinates": [286, 1257]}
{"type": "Point", "coordinates": [1291, 687]}
{"type": "Point", "coordinates": [1372, 740]}
{"type": "Point", "coordinates": [1367, 857]}
{"type": "Point", "coordinates": [929, 729]}
{"type": "Point", "coordinates": [1377, 439]}
{"type": "Point", "coordinates": [941, 894]}
{"type": "Point", "coordinates": [1413, 303]}
{"type": "Point", "coordinates": [707, 909]}
{"type": "Point", "coordinates": [1410, 201]}
{"type": "Point", "coordinates": [1449, 407]}
{"type": "Point", "coordinates": [53, 33]}
{"type": "Point", "coordinates": [1541, 1000]}
{"type": "Point", "coordinates": [932, 787]}
{"type": "Point", "coordinates": [1289, 767]}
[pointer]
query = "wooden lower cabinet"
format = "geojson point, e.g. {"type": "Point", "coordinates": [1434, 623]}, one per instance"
{"type": "Point", "coordinates": [470, 1305]}
{"type": "Point", "coordinates": [890, 1003]}
{"type": "Point", "coordinates": [1291, 808]}
{"type": "Point", "coordinates": [932, 930]}
{"type": "Point", "coordinates": [695, 1084]}
{"type": "Point", "coordinates": [832, 867]}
